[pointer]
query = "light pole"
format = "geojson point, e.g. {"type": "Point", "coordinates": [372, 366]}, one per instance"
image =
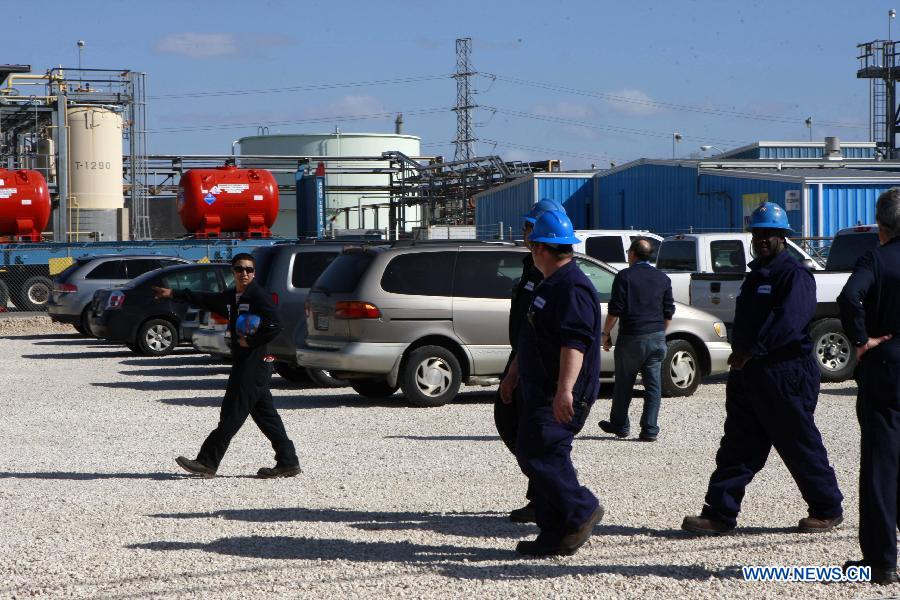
{"type": "Point", "coordinates": [892, 14]}
{"type": "Point", "coordinates": [676, 137]}
{"type": "Point", "coordinates": [809, 122]}
{"type": "Point", "coordinates": [708, 147]}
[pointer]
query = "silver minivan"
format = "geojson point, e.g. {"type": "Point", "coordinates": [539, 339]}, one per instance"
{"type": "Point", "coordinates": [429, 317]}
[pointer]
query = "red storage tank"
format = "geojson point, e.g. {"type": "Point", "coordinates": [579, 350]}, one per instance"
{"type": "Point", "coordinates": [24, 205]}
{"type": "Point", "coordinates": [228, 200]}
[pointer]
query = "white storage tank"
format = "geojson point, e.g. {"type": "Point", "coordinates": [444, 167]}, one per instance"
{"type": "Point", "coordinates": [95, 171]}
{"type": "Point", "coordinates": [362, 213]}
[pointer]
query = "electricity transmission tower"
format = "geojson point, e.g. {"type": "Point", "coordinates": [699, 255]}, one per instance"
{"type": "Point", "coordinates": [465, 128]}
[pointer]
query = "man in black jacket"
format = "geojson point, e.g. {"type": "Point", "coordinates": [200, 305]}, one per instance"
{"type": "Point", "coordinates": [247, 392]}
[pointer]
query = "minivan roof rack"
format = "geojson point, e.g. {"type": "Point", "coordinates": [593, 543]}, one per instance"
{"type": "Point", "coordinates": [407, 243]}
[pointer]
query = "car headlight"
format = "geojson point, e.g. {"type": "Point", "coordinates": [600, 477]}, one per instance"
{"type": "Point", "coordinates": [720, 329]}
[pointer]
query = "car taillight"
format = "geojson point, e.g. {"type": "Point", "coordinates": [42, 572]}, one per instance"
{"type": "Point", "coordinates": [115, 300]}
{"type": "Point", "coordinates": [306, 308]}
{"type": "Point", "coordinates": [218, 319]}
{"type": "Point", "coordinates": [64, 287]}
{"type": "Point", "coordinates": [356, 310]}
{"type": "Point", "coordinates": [275, 298]}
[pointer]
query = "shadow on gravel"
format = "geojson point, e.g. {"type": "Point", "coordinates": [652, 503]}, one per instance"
{"type": "Point", "coordinates": [47, 336]}
{"type": "Point", "coordinates": [464, 524]}
{"type": "Point", "coordinates": [89, 476]}
{"type": "Point", "coordinates": [183, 372]}
{"type": "Point", "coordinates": [93, 343]}
{"type": "Point", "coordinates": [847, 391]}
{"type": "Point", "coordinates": [162, 385]}
{"type": "Point", "coordinates": [542, 568]}
{"type": "Point", "coordinates": [445, 438]}
{"type": "Point", "coordinates": [80, 355]}
{"type": "Point", "coordinates": [176, 360]}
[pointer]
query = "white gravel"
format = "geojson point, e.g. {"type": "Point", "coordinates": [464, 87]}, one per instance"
{"type": "Point", "coordinates": [394, 501]}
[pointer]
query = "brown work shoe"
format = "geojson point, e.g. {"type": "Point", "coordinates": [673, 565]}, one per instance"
{"type": "Point", "coordinates": [704, 526]}
{"type": "Point", "coordinates": [817, 525]}
{"type": "Point", "coordinates": [272, 473]}
{"type": "Point", "coordinates": [572, 542]}
{"type": "Point", "coordinates": [195, 468]}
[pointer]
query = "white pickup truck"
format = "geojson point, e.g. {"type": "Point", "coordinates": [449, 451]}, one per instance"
{"type": "Point", "coordinates": [611, 245]}
{"type": "Point", "coordinates": [720, 257]}
{"type": "Point", "coordinates": [716, 292]}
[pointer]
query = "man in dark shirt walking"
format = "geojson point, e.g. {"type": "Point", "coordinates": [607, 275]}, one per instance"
{"type": "Point", "coordinates": [870, 314]}
{"type": "Point", "coordinates": [642, 300]}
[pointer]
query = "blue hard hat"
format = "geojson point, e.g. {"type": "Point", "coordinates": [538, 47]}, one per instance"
{"type": "Point", "coordinates": [247, 324]}
{"type": "Point", "coordinates": [553, 227]}
{"type": "Point", "coordinates": [542, 206]}
{"type": "Point", "coordinates": [769, 216]}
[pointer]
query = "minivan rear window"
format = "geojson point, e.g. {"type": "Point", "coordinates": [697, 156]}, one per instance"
{"type": "Point", "coordinates": [308, 266]}
{"type": "Point", "coordinates": [420, 274]}
{"type": "Point", "coordinates": [846, 250]}
{"type": "Point", "coordinates": [344, 273]}
{"type": "Point", "coordinates": [677, 256]}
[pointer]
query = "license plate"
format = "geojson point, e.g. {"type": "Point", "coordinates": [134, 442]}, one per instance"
{"type": "Point", "coordinates": [322, 322]}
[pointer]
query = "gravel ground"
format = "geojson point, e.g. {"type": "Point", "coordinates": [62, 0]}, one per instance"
{"type": "Point", "coordinates": [394, 501]}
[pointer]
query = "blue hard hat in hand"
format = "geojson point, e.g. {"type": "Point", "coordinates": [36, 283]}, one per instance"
{"type": "Point", "coordinates": [540, 207]}
{"type": "Point", "coordinates": [553, 227]}
{"type": "Point", "coordinates": [769, 216]}
{"type": "Point", "coordinates": [247, 324]}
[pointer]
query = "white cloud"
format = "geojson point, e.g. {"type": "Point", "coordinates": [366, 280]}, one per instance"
{"type": "Point", "coordinates": [350, 106]}
{"type": "Point", "coordinates": [198, 45]}
{"type": "Point", "coordinates": [565, 110]}
{"type": "Point", "coordinates": [634, 102]}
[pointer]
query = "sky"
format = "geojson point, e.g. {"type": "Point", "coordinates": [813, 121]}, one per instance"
{"type": "Point", "coordinates": [587, 82]}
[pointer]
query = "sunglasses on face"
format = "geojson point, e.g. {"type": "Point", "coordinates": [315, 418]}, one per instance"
{"type": "Point", "coordinates": [247, 270]}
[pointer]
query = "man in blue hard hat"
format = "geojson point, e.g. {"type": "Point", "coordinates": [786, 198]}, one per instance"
{"type": "Point", "coordinates": [869, 312]}
{"type": "Point", "coordinates": [558, 362]}
{"type": "Point", "coordinates": [506, 406]}
{"type": "Point", "coordinates": [247, 392]}
{"type": "Point", "coordinates": [772, 388]}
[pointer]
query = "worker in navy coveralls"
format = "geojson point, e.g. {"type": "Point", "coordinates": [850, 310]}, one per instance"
{"type": "Point", "coordinates": [506, 406]}
{"type": "Point", "coordinates": [559, 378]}
{"type": "Point", "coordinates": [772, 389]}
{"type": "Point", "coordinates": [247, 393]}
{"type": "Point", "coordinates": [870, 314]}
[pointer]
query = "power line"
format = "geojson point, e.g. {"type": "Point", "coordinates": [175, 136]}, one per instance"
{"type": "Point", "coordinates": [326, 119]}
{"type": "Point", "coordinates": [603, 127]}
{"type": "Point", "coordinates": [667, 105]}
{"type": "Point", "coordinates": [302, 88]}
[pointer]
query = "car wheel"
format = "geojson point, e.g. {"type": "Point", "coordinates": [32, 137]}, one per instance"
{"type": "Point", "coordinates": [157, 337]}
{"type": "Point", "coordinates": [373, 388]}
{"type": "Point", "coordinates": [4, 296]}
{"type": "Point", "coordinates": [84, 327]}
{"type": "Point", "coordinates": [680, 369]}
{"type": "Point", "coordinates": [292, 373]}
{"type": "Point", "coordinates": [430, 376]}
{"type": "Point", "coordinates": [834, 354]}
{"type": "Point", "coordinates": [34, 294]}
{"type": "Point", "coordinates": [323, 378]}
{"type": "Point", "coordinates": [134, 348]}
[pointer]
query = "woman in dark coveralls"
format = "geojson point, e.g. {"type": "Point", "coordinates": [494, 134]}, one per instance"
{"type": "Point", "coordinates": [247, 392]}
{"type": "Point", "coordinates": [558, 363]}
{"type": "Point", "coordinates": [772, 389]}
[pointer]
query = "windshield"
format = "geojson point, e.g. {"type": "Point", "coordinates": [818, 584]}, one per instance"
{"type": "Point", "coordinates": [846, 250]}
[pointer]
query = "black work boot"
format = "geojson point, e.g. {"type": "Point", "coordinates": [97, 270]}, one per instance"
{"type": "Point", "coordinates": [272, 473]}
{"type": "Point", "coordinates": [195, 468]}
{"type": "Point", "coordinates": [523, 515]}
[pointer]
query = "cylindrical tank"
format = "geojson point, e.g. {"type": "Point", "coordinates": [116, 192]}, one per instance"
{"type": "Point", "coordinates": [95, 171]}
{"type": "Point", "coordinates": [354, 209]}
{"type": "Point", "coordinates": [212, 202]}
{"type": "Point", "coordinates": [45, 161]}
{"type": "Point", "coordinates": [24, 204]}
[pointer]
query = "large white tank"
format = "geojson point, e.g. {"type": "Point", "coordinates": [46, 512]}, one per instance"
{"type": "Point", "coordinates": [362, 213]}
{"type": "Point", "coordinates": [95, 171]}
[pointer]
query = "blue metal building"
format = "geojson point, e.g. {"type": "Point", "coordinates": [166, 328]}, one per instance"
{"type": "Point", "coordinates": [671, 196]}
{"type": "Point", "coordinates": [798, 150]}
{"type": "Point", "coordinates": [508, 202]}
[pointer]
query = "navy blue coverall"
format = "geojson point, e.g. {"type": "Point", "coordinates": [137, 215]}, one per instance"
{"type": "Point", "coordinates": [772, 399]}
{"type": "Point", "coordinates": [506, 416]}
{"type": "Point", "coordinates": [564, 313]}
{"type": "Point", "coordinates": [870, 307]}
{"type": "Point", "coordinates": [247, 392]}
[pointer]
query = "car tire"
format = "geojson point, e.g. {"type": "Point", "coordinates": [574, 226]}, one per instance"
{"type": "Point", "coordinates": [430, 376]}
{"type": "Point", "coordinates": [84, 327]}
{"type": "Point", "coordinates": [157, 337]}
{"type": "Point", "coordinates": [834, 353]}
{"type": "Point", "coordinates": [324, 379]}
{"type": "Point", "coordinates": [4, 295]}
{"type": "Point", "coordinates": [373, 388]}
{"type": "Point", "coordinates": [681, 369]}
{"type": "Point", "coordinates": [133, 347]}
{"type": "Point", "coordinates": [292, 373]}
{"type": "Point", "coordinates": [34, 293]}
